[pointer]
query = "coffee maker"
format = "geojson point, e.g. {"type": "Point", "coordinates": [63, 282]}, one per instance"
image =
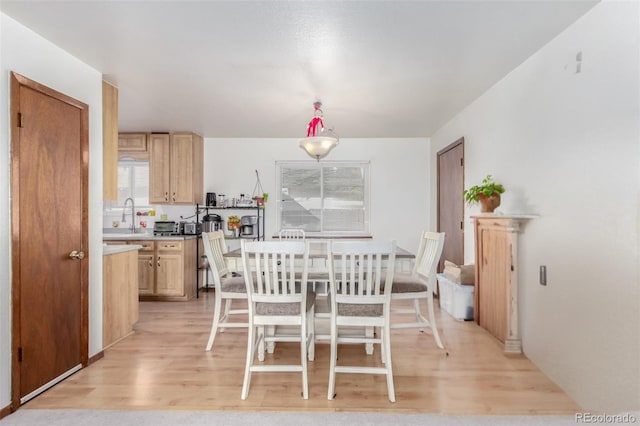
{"type": "Point", "coordinates": [211, 199]}
{"type": "Point", "coordinates": [249, 227]}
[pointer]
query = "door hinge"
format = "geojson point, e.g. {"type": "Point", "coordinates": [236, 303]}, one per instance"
{"type": "Point", "coordinates": [19, 354]}
{"type": "Point", "coordinates": [461, 162]}
{"type": "Point", "coordinates": [20, 122]}
{"type": "Point", "coordinates": [462, 225]}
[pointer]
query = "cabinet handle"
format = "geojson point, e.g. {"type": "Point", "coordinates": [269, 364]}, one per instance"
{"type": "Point", "coordinates": [166, 196]}
{"type": "Point", "coordinates": [174, 196]}
{"type": "Point", "coordinates": [158, 260]}
{"type": "Point", "coordinates": [150, 262]}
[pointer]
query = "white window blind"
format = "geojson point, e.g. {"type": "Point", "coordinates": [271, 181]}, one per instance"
{"type": "Point", "coordinates": [324, 198]}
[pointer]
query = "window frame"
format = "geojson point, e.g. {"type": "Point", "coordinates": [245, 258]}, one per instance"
{"type": "Point", "coordinates": [116, 206]}
{"type": "Point", "coordinates": [364, 165]}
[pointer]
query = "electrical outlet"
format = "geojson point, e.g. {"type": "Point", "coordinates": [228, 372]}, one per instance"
{"type": "Point", "coordinates": [543, 275]}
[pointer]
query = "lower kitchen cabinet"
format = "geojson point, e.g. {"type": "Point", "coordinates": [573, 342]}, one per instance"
{"type": "Point", "coordinates": [167, 269]}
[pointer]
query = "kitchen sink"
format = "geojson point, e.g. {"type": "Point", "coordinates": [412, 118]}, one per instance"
{"type": "Point", "coordinates": [124, 233]}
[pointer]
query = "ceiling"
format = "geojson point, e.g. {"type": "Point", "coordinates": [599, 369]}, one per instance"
{"type": "Point", "coordinates": [254, 68]}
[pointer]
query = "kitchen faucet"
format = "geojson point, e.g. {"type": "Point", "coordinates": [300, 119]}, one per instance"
{"type": "Point", "coordinates": [133, 214]}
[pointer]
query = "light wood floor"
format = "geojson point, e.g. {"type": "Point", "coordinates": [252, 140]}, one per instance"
{"type": "Point", "coordinates": [164, 366]}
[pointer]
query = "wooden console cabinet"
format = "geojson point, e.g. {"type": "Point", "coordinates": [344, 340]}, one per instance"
{"type": "Point", "coordinates": [496, 292]}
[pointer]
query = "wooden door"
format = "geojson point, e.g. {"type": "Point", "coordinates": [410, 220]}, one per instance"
{"type": "Point", "coordinates": [49, 136]}
{"type": "Point", "coordinates": [181, 174]}
{"type": "Point", "coordinates": [159, 157]}
{"type": "Point", "coordinates": [451, 202]}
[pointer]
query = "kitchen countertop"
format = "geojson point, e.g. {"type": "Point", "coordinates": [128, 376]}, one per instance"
{"type": "Point", "coordinates": [137, 237]}
{"type": "Point", "coordinates": [114, 249]}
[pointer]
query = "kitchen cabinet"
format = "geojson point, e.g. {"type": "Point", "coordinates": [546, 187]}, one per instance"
{"type": "Point", "coordinates": [109, 141]}
{"type": "Point", "coordinates": [496, 269]}
{"type": "Point", "coordinates": [175, 168]}
{"type": "Point", "coordinates": [119, 296]}
{"type": "Point", "coordinates": [167, 269]}
{"type": "Point", "coordinates": [136, 142]}
{"type": "Point", "coordinates": [146, 268]}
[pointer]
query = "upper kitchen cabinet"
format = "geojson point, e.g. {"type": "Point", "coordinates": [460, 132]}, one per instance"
{"type": "Point", "coordinates": [109, 141]}
{"type": "Point", "coordinates": [175, 168]}
{"type": "Point", "coordinates": [133, 145]}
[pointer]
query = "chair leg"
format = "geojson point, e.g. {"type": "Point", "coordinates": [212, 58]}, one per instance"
{"type": "Point", "coordinates": [261, 344]}
{"type": "Point", "coordinates": [432, 321]}
{"type": "Point", "coordinates": [311, 339]}
{"type": "Point", "coordinates": [332, 361]}
{"type": "Point", "coordinates": [216, 320]}
{"type": "Point", "coordinates": [419, 317]}
{"type": "Point", "coordinates": [250, 355]}
{"type": "Point", "coordinates": [369, 332]}
{"type": "Point", "coordinates": [386, 339]}
{"type": "Point", "coordinates": [227, 309]}
{"type": "Point", "coordinates": [303, 357]}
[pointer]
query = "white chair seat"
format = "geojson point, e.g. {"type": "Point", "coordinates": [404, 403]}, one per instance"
{"type": "Point", "coordinates": [285, 308]}
{"type": "Point", "coordinates": [233, 285]}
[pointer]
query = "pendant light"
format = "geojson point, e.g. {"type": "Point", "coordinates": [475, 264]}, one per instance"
{"type": "Point", "coordinates": [319, 141]}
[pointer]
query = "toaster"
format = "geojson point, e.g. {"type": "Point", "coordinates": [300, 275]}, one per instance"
{"type": "Point", "coordinates": [192, 228]}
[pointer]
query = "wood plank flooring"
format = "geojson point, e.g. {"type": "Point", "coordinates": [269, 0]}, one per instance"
{"type": "Point", "coordinates": [163, 366]}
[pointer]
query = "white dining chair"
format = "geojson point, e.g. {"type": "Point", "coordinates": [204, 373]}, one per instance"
{"type": "Point", "coordinates": [360, 274]}
{"type": "Point", "coordinates": [277, 298]}
{"type": "Point", "coordinates": [291, 234]}
{"type": "Point", "coordinates": [419, 285]}
{"type": "Point", "coordinates": [226, 287]}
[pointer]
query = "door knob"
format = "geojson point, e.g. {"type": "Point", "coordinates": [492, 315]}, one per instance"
{"type": "Point", "coordinates": [76, 255]}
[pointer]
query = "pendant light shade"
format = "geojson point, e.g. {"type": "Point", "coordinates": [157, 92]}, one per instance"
{"type": "Point", "coordinates": [319, 141]}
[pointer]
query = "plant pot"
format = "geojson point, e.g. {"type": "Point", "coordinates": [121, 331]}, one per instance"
{"type": "Point", "coordinates": [489, 203]}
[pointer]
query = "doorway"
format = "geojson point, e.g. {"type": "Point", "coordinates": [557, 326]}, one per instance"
{"type": "Point", "coordinates": [451, 202]}
{"type": "Point", "coordinates": [49, 230]}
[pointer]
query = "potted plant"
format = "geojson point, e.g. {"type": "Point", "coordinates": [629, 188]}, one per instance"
{"type": "Point", "coordinates": [487, 194]}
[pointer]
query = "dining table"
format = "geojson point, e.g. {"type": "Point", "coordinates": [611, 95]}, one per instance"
{"type": "Point", "coordinates": [319, 280]}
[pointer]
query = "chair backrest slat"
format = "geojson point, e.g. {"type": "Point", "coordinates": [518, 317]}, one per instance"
{"type": "Point", "coordinates": [431, 245]}
{"type": "Point", "coordinates": [270, 267]}
{"type": "Point", "coordinates": [214, 249]}
{"type": "Point", "coordinates": [356, 268]}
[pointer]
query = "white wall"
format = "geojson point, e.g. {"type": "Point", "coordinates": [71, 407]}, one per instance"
{"type": "Point", "coordinates": [399, 178]}
{"type": "Point", "coordinates": [29, 54]}
{"type": "Point", "coordinates": [565, 146]}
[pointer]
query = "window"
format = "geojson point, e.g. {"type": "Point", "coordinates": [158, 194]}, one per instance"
{"type": "Point", "coordinates": [133, 181]}
{"type": "Point", "coordinates": [325, 198]}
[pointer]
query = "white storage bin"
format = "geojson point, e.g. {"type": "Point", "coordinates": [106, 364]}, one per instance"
{"type": "Point", "coordinates": [456, 299]}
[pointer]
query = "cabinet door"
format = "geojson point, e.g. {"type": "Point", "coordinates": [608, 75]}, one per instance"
{"type": "Point", "coordinates": [146, 274]}
{"type": "Point", "coordinates": [170, 276]}
{"type": "Point", "coordinates": [159, 159]}
{"type": "Point", "coordinates": [181, 169]}
{"type": "Point", "coordinates": [493, 281]}
{"type": "Point", "coordinates": [132, 142]}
